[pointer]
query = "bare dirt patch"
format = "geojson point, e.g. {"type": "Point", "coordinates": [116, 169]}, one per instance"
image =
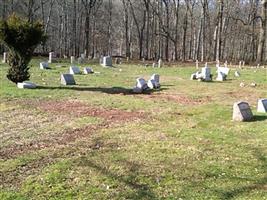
{"type": "Point", "coordinates": [112, 117]}
{"type": "Point", "coordinates": [178, 98]}
{"type": "Point", "coordinates": [79, 109]}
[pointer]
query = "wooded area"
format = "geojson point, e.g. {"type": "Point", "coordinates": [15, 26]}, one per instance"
{"type": "Point", "coordinates": [204, 30]}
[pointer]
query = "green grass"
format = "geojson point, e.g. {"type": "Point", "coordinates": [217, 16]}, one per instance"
{"type": "Point", "coordinates": [186, 146]}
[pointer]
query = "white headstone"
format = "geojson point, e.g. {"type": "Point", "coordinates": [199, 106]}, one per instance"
{"type": "Point", "coordinates": [26, 85]}
{"type": "Point", "coordinates": [72, 59]}
{"type": "Point", "coordinates": [226, 64]}
{"type": "Point", "coordinates": [153, 83]}
{"type": "Point", "coordinates": [50, 57]}
{"type": "Point", "coordinates": [83, 56]}
{"type": "Point", "coordinates": [74, 70]}
{"type": "Point", "coordinates": [44, 65]}
{"type": "Point", "coordinates": [107, 61]}
{"type": "Point", "coordinates": [242, 112]}
{"type": "Point", "coordinates": [243, 64]}
{"type": "Point", "coordinates": [224, 70]}
{"type": "Point", "coordinates": [262, 106]}
{"type": "Point", "coordinates": [4, 57]}
{"type": "Point", "coordinates": [88, 70]}
{"type": "Point", "coordinates": [67, 79]}
{"type": "Point", "coordinates": [160, 64]}
{"type": "Point", "coordinates": [221, 77]}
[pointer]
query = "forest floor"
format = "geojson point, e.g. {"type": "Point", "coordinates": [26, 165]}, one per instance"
{"type": "Point", "coordinates": [97, 140]}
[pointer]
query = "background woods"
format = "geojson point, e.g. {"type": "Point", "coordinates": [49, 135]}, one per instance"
{"type": "Point", "coordinates": [151, 29]}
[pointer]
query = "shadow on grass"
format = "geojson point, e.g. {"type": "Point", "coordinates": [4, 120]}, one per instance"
{"type": "Point", "coordinates": [259, 184]}
{"type": "Point", "coordinates": [112, 90]}
{"type": "Point", "coordinates": [130, 178]}
{"type": "Point", "coordinates": [259, 118]}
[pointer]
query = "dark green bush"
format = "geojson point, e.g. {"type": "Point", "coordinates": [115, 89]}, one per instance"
{"type": "Point", "coordinates": [21, 38]}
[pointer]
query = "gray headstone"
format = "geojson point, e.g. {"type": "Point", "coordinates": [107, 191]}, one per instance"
{"type": "Point", "coordinates": [206, 73]}
{"type": "Point", "coordinates": [83, 56]}
{"type": "Point", "coordinates": [107, 61]}
{"type": "Point", "coordinates": [67, 79]}
{"type": "Point", "coordinates": [141, 83]}
{"type": "Point", "coordinates": [81, 60]}
{"type": "Point", "coordinates": [44, 65]}
{"type": "Point", "coordinates": [88, 70]}
{"type": "Point", "coordinates": [262, 106]}
{"type": "Point", "coordinates": [242, 112]}
{"type": "Point", "coordinates": [155, 77]}
{"type": "Point", "coordinates": [74, 70]}
{"type": "Point", "coordinates": [26, 85]}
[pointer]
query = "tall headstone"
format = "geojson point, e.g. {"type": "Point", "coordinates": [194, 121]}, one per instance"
{"type": "Point", "coordinates": [240, 65]}
{"type": "Point", "coordinates": [226, 64]}
{"type": "Point", "coordinates": [243, 64]}
{"type": "Point", "coordinates": [67, 79]}
{"type": "Point", "coordinates": [50, 57]}
{"type": "Point", "coordinates": [206, 73]}
{"type": "Point", "coordinates": [72, 59]}
{"type": "Point", "coordinates": [4, 57]}
{"type": "Point", "coordinates": [242, 112]}
{"type": "Point", "coordinates": [197, 64]}
{"type": "Point", "coordinates": [160, 63]}
{"type": "Point", "coordinates": [262, 106]}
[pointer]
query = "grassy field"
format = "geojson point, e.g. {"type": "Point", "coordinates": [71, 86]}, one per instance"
{"type": "Point", "coordinates": [97, 140]}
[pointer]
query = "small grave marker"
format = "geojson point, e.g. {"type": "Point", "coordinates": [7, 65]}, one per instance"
{"type": "Point", "coordinates": [262, 106]}
{"type": "Point", "coordinates": [74, 70]}
{"type": "Point", "coordinates": [67, 79]}
{"type": "Point", "coordinates": [44, 65]}
{"type": "Point", "coordinates": [106, 61]}
{"type": "Point", "coordinates": [26, 85]}
{"type": "Point", "coordinates": [242, 112]}
{"type": "Point", "coordinates": [88, 70]}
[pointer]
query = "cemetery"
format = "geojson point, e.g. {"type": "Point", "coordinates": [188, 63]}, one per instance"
{"type": "Point", "coordinates": [102, 103]}
{"type": "Point", "coordinates": [197, 129]}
